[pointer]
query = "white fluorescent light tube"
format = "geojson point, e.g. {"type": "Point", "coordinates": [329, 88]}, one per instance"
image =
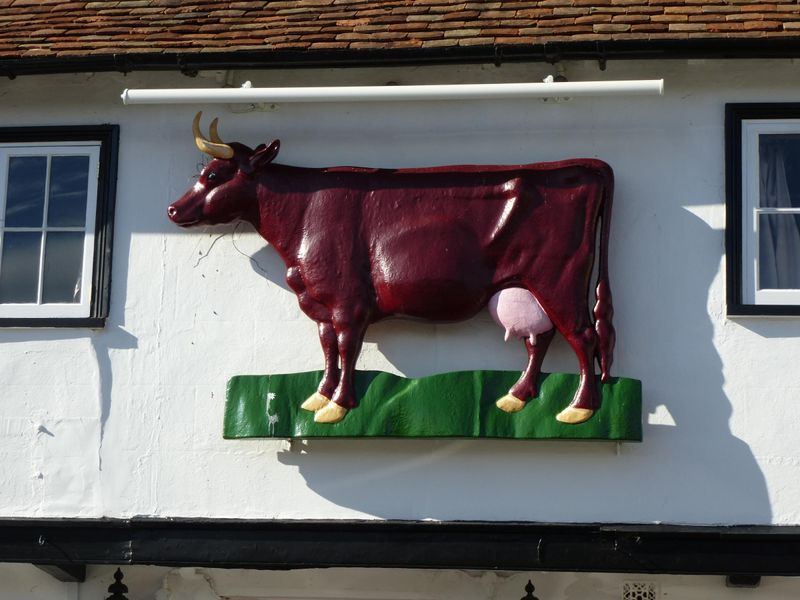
{"type": "Point", "coordinates": [388, 93]}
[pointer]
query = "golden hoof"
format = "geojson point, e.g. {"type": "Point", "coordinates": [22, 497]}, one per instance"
{"type": "Point", "coordinates": [332, 413]}
{"type": "Point", "coordinates": [314, 402]}
{"type": "Point", "coordinates": [573, 416]}
{"type": "Point", "coordinates": [510, 404]}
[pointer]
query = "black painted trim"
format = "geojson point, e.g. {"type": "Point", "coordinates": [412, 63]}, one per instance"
{"type": "Point", "coordinates": [592, 547]}
{"type": "Point", "coordinates": [190, 63]}
{"type": "Point", "coordinates": [65, 573]}
{"type": "Point", "coordinates": [108, 136]}
{"type": "Point", "coordinates": [733, 209]}
{"type": "Point", "coordinates": [734, 115]}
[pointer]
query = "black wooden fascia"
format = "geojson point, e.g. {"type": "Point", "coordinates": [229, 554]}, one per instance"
{"type": "Point", "coordinates": [512, 546]}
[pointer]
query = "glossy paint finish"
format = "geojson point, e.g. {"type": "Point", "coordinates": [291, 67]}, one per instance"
{"type": "Point", "coordinates": [435, 244]}
{"type": "Point", "coordinates": [448, 405]}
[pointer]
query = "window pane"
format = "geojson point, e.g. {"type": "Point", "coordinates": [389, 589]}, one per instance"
{"type": "Point", "coordinates": [63, 258]}
{"type": "Point", "coordinates": [779, 251]}
{"type": "Point", "coordinates": [69, 178]}
{"type": "Point", "coordinates": [19, 268]}
{"type": "Point", "coordinates": [25, 194]}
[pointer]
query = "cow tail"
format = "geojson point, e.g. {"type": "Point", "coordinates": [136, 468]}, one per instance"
{"type": "Point", "coordinates": [604, 307]}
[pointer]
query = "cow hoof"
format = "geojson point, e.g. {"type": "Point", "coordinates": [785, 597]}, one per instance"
{"type": "Point", "coordinates": [314, 402]}
{"type": "Point", "coordinates": [573, 416]}
{"type": "Point", "coordinates": [332, 413]}
{"type": "Point", "coordinates": [510, 404]}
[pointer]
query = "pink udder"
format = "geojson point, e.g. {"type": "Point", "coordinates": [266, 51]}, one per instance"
{"type": "Point", "coordinates": [518, 312]}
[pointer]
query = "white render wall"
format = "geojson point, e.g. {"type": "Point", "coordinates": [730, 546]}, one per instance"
{"type": "Point", "coordinates": [127, 421]}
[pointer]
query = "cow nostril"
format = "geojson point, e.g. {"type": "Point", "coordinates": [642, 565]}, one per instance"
{"type": "Point", "coordinates": [171, 212]}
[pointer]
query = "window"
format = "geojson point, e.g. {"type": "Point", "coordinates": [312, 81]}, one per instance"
{"type": "Point", "coordinates": [763, 209]}
{"type": "Point", "coordinates": [56, 225]}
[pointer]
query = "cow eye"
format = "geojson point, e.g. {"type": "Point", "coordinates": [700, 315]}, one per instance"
{"type": "Point", "coordinates": [211, 176]}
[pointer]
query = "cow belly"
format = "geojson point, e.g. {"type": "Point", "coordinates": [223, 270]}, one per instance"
{"type": "Point", "coordinates": [431, 272]}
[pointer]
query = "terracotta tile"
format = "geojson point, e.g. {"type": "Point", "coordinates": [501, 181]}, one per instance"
{"type": "Point", "coordinates": [687, 27]}
{"type": "Point", "coordinates": [64, 27]}
{"type": "Point", "coordinates": [479, 41]}
{"type": "Point", "coordinates": [610, 27]}
{"type": "Point", "coordinates": [630, 19]}
{"type": "Point", "coordinates": [644, 27]}
{"type": "Point", "coordinates": [439, 43]}
{"type": "Point", "coordinates": [670, 10]}
{"type": "Point", "coordinates": [329, 45]}
{"type": "Point", "coordinates": [427, 35]}
{"type": "Point", "coordinates": [415, 27]}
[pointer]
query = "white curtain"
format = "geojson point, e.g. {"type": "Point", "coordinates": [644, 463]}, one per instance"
{"type": "Point", "coordinates": [779, 237]}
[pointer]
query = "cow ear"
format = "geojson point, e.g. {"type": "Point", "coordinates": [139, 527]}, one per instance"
{"type": "Point", "coordinates": [263, 155]}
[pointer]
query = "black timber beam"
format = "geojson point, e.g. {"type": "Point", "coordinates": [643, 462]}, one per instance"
{"type": "Point", "coordinates": [66, 572]}
{"type": "Point", "coordinates": [738, 550]}
{"type": "Point", "coordinates": [189, 63]}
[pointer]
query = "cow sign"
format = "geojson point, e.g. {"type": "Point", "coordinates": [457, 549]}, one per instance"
{"type": "Point", "coordinates": [439, 244]}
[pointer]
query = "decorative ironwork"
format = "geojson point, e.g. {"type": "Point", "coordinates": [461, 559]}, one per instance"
{"type": "Point", "coordinates": [118, 589]}
{"type": "Point", "coordinates": [529, 589]}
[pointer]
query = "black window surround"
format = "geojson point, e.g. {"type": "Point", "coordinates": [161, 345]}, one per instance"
{"type": "Point", "coordinates": [735, 116]}
{"type": "Point", "coordinates": [108, 137]}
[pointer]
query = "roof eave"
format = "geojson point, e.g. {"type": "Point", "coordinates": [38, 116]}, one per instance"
{"type": "Point", "coordinates": [189, 63]}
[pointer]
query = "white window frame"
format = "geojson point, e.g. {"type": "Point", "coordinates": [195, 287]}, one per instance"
{"type": "Point", "coordinates": [91, 149]}
{"type": "Point", "coordinates": [752, 130]}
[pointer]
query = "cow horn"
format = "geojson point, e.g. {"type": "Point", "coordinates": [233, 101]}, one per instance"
{"type": "Point", "coordinates": [215, 149]}
{"type": "Point", "coordinates": [214, 133]}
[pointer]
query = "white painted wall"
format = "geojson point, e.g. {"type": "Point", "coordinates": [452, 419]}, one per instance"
{"type": "Point", "coordinates": [127, 421]}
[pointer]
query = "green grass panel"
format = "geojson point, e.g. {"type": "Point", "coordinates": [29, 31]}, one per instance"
{"type": "Point", "coordinates": [459, 404]}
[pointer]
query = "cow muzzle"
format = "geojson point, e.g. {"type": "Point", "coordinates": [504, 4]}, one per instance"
{"type": "Point", "coordinates": [174, 215]}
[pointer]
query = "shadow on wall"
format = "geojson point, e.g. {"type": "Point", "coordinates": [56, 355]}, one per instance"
{"type": "Point", "coordinates": [102, 342]}
{"type": "Point", "coordinates": [694, 471]}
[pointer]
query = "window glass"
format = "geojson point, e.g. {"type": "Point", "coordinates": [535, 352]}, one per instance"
{"type": "Point", "coordinates": [57, 184]}
{"type": "Point", "coordinates": [69, 177]}
{"type": "Point", "coordinates": [22, 274]}
{"type": "Point", "coordinates": [778, 230]}
{"type": "Point", "coordinates": [63, 258]}
{"type": "Point", "coordinates": [779, 251]}
{"type": "Point", "coordinates": [779, 170]}
{"type": "Point", "coordinates": [19, 267]}
{"type": "Point", "coordinates": [27, 176]}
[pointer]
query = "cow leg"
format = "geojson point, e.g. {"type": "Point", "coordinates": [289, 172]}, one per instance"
{"type": "Point", "coordinates": [527, 385]}
{"type": "Point", "coordinates": [349, 339]}
{"type": "Point", "coordinates": [587, 399]}
{"type": "Point", "coordinates": [330, 378]}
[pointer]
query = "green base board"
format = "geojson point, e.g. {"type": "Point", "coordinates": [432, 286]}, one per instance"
{"type": "Point", "coordinates": [459, 404]}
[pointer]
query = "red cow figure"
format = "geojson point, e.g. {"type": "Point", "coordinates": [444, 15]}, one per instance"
{"type": "Point", "coordinates": [435, 243]}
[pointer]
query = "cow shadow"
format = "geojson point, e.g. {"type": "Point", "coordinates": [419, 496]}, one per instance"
{"type": "Point", "coordinates": [690, 468]}
{"type": "Point", "coordinates": [267, 264]}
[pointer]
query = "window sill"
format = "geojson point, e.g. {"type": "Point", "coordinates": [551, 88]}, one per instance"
{"type": "Point", "coordinates": [56, 323]}
{"type": "Point", "coordinates": [763, 310]}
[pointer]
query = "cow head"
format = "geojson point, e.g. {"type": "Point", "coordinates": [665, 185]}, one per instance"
{"type": "Point", "coordinates": [225, 189]}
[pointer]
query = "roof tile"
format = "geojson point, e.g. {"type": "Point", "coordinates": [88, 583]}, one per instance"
{"type": "Point", "coordinates": [75, 28]}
